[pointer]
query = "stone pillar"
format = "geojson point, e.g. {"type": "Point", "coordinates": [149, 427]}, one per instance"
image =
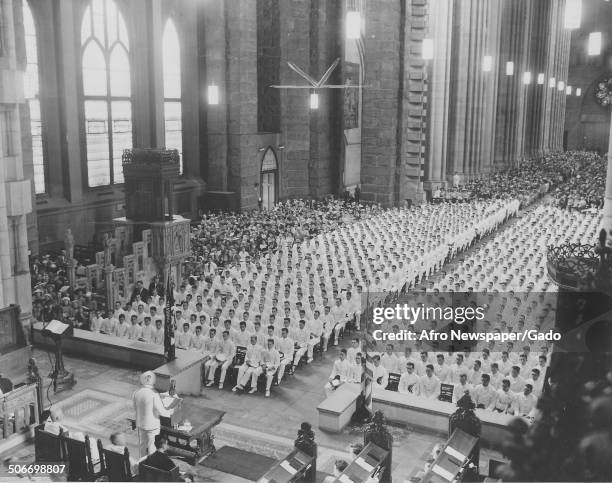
{"type": "Point", "coordinates": [148, 93]}
{"type": "Point", "coordinates": [212, 39]}
{"type": "Point", "coordinates": [439, 75]}
{"type": "Point", "coordinates": [296, 114]}
{"type": "Point", "coordinates": [380, 101]}
{"type": "Point", "coordinates": [606, 223]}
{"type": "Point", "coordinates": [72, 155]}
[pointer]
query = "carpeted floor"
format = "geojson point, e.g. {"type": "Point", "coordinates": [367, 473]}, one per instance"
{"type": "Point", "coordinates": [237, 462]}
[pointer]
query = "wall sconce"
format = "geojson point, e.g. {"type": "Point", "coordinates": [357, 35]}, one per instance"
{"type": "Point", "coordinates": [510, 68]}
{"type": "Point", "coordinates": [527, 78]}
{"type": "Point", "coordinates": [314, 100]}
{"type": "Point", "coordinates": [552, 82]}
{"type": "Point", "coordinates": [573, 12]}
{"type": "Point", "coordinates": [541, 78]}
{"type": "Point", "coordinates": [213, 95]}
{"type": "Point", "coordinates": [578, 92]}
{"type": "Point", "coordinates": [353, 25]}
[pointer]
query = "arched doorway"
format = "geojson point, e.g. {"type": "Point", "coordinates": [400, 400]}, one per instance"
{"type": "Point", "coordinates": [269, 179]}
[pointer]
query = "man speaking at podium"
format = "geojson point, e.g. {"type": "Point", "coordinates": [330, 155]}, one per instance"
{"type": "Point", "coordinates": [149, 408]}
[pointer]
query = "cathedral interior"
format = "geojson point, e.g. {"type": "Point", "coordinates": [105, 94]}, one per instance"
{"type": "Point", "coordinates": [294, 165]}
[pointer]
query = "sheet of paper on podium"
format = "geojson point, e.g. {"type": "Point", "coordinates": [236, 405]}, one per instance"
{"type": "Point", "coordinates": [56, 327]}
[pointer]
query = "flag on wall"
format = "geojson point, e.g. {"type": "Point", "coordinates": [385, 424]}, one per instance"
{"type": "Point", "coordinates": [169, 349]}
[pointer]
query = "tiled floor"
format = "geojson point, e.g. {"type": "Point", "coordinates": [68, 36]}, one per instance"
{"type": "Point", "coordinates": [99, 405]}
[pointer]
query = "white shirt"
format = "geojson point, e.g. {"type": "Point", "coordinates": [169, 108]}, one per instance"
{"type": "Point", "coordinates": [340, 368]}
{"type": "Point", "coordinates": [485, 396]}
{"type": "Point", "coordinates": [429, 387]}
{"type": "Point", "coordinates": [380, 374]}
{"type": "Point", "coordinates": [409, 384]}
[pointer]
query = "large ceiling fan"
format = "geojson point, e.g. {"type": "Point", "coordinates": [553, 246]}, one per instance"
{"type": "Point", "coordinates": [315, 85]}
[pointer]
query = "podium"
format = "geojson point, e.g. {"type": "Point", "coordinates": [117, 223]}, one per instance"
{"type": "Point", "coordinates": [62, 379]}
{"type": "Point", "coordinates": [292, 468]}
{"type": "Point", "coordinates": [453, 458]}
{"type": "Point", "coordinates": [368, 464]}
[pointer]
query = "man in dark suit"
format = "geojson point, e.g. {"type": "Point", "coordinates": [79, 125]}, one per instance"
{"type": "Point", "coordinates": [161, 461]}
{"type": "Point", "coordinates": [139, 290]}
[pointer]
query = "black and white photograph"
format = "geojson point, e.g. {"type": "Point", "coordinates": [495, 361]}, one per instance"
{"type": "Point", "coordinates": [315, 241]}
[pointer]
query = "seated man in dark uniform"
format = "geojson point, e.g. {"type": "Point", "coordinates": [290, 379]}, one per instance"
{"type": "Point", "coordinates": [161, 461]}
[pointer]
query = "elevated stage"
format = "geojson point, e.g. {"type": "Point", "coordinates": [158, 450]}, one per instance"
{"type": "Point", "coordinates": [111, 349]}
{"type": "Point", "coordinates": [430, 416]}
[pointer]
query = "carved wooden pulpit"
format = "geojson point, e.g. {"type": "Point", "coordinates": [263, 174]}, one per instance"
{"type": "Point", "coordinates": [150, 175]}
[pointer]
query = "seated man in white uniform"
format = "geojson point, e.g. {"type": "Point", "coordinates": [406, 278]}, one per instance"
{"type": "Point", "coordinates": [301, 338]}
{"type": "Point", "coordinates": [286, 348]}
{"type": "Point", "coordinates": [525, 403]}
{"type": "Point", "coordinates": [356, 370]}
{"type": "Point", "coordinates": [223, 356]}
{"type": "Point", "coordinates": [339, 373]}
{"type": "Point", "coordinates": [270, 359]}
{"type": "Point", "coordinates": [484, 394]}
{"type": "Point", "coordinates": [409, 381]}
{"type": "Point", "coordinates": [462, 387]}
{"type": "Point", "coordinates": [251, 367]}
{"type": "Point", "coordinates": [504, 400]}
{"type": "Point", "coordinates": [380, 376]}
{"type": "Point", "coordinates": [429, 384]}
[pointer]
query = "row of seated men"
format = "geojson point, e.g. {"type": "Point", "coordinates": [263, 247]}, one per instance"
{"type": "Point", "coordinates": [334, 247]}
{"type": "Point", "coordinates": [191, 332]}
{"type": "Point", "coordinates": [497, 384]}
{"type": "Point", "coordinates": [372, 256]}
{"type": "Point", "coordinates": [52, 422]}
{"type": "Point", "coordinates": [514, 259]}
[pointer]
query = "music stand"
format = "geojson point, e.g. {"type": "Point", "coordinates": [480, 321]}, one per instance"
{"type": "Point", "coordinates": [62, 379]}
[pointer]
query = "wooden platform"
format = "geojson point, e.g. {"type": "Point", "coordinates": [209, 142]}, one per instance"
{"type": "Point", "coordinates": [335, 412]}
{"type": "Point", "coordinates": [433, 416]}
{"type": "Point", "coordinates": [106, 348]}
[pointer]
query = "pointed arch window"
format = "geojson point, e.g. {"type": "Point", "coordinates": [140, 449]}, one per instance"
{"type": "Point", "coordinates": [107, 91]}
{"type": "Point", "coordinates": [172, 89]}
{"type": "Point", "coordinates": [32, 97]}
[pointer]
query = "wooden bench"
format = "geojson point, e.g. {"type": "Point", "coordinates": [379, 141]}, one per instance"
{"type": "Point", "coordinates": [336, 411]}
{"type": "Point", "coordinates": [432, 415]}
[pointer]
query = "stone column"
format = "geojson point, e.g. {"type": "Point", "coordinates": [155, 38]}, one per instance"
{"type": "Point", "coordinates": [296, 115]}
{"type": "Point", "coordinates": [73, 165]}
{"type": "Point", "coordinates": [441, 17]}
{"type": "Point", "coordinates": [147, 94]}
{"type": "Point", "coordinates": [606, 223]}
